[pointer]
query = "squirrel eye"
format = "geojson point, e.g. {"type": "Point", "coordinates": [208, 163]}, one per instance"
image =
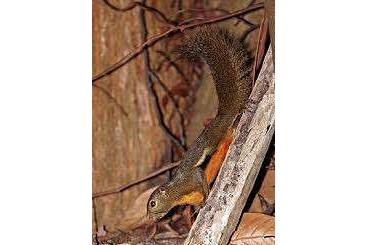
{"type": "Point", "coordinates": [152, 203]}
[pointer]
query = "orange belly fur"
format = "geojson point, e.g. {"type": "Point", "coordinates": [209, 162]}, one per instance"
{"type": "Point", "coordinates": [217, 158]}
{"type": "Point", "coordinates": [195, 198]}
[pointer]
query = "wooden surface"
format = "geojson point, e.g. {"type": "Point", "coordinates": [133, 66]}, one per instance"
{"type": "Point", "coordinates": [218, 218]}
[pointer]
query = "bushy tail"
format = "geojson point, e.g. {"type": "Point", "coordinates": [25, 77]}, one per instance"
{"type": "Point", "coordinates": [228, 60]}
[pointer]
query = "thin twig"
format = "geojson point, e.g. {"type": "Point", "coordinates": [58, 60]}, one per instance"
{"type": "Point", "coordinates": [151, 90]}
{"type": "Point", "coordinates": [248, 31]}
{"type": "Point", "coordinates": [171, 31]}
{"type": "Point", "coordinates": [242, 19]}
{"type": "Point", "coordinates": [173, 64]}
{"type": "Point", "coordinates": [151, 9]}
{"type": "Point", "coordinates": [135, 182]}
{"type": "Point", "coordinates": [190, 20]}
{"type": "Point", "coordinates": [225, 17]}
{"type": "Point", "coordinates": [176, 106]}
{"type": "Point", "coordinates": [112, 98]}
{"type": "Point", "coordinates": [256, 60]}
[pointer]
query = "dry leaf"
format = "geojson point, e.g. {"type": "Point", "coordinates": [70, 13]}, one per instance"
{"type": "Point", "coordinates": [136, 214]}
{"type": "Point", "coordinates": [254, 228]}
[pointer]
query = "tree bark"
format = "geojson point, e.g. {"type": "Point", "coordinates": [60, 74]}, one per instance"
{"type": "Point", "coordinates": [128, 142]}
{"type": "Point", "coordinates": [217, 220]}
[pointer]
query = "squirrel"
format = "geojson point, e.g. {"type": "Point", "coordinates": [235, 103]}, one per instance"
{"type": "Point", "coordinates": [231, 68]}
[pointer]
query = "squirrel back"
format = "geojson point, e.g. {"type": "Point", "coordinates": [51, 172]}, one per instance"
{"type": "Point", "coordinates": [231, 69]}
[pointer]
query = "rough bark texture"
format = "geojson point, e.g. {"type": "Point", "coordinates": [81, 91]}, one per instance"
{"type": "Point", "coordinates": [218, 219]}
{"type": "Point", "coordinates": [127, 140]}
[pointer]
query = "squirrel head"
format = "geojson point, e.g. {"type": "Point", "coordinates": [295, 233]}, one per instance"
{"type": "Point", "coordinates": [186, 187]}
{"type": "Point", "coordinates": [160, 202]}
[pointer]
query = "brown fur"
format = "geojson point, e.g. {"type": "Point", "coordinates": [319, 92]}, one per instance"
{"type": "Point", "coordinates": [231, 68]}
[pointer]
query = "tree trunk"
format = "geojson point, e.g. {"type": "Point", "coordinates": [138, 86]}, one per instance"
{"type": "Point", "coordinates": [127, 140]}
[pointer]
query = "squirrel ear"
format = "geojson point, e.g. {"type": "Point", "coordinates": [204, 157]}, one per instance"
{"type": "Point", "coordinates": [162, 190]}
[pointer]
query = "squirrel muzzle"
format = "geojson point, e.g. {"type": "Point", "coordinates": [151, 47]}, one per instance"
{"type": "Point", "coordinates": [190, 188]}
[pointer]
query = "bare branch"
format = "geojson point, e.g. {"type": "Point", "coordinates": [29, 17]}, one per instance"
{"type": "Point", "coordinates": [160, 16]}
{"type": "Point", "coordinates": [240, 18]}
{"type": "Point", "coordinates": [173, 64]}
{"type": "Point", "coordinates": [248, 31]}
{"type": "Point", "coordinates": [103, 90]}
{"type": "Point", "coordinates": [135, 182]}
{"type": "Point", "coordinates": [171, 31]}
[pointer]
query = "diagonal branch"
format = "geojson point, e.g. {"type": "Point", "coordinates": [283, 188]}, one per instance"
{"type": "Point", "coordinates": [240, 18]}
{"type": "Point", "coordinates": [173, 64]}
{"type": "Point", "coordinates": [161, 16]}
{"type": "Point", "coordinates": [171, 31]}
{"type": "Point", "coordinates": [135, 182]}
{"type": "Point", "coordinates": [219, 217]}
{"type": "Point", "coordinates": [248, 31]}
{"type": "Point", "coordinates": [104, 91]}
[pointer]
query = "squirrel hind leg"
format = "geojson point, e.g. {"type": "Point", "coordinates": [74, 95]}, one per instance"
{"type": "Point", "coordinates": [205, 190]}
